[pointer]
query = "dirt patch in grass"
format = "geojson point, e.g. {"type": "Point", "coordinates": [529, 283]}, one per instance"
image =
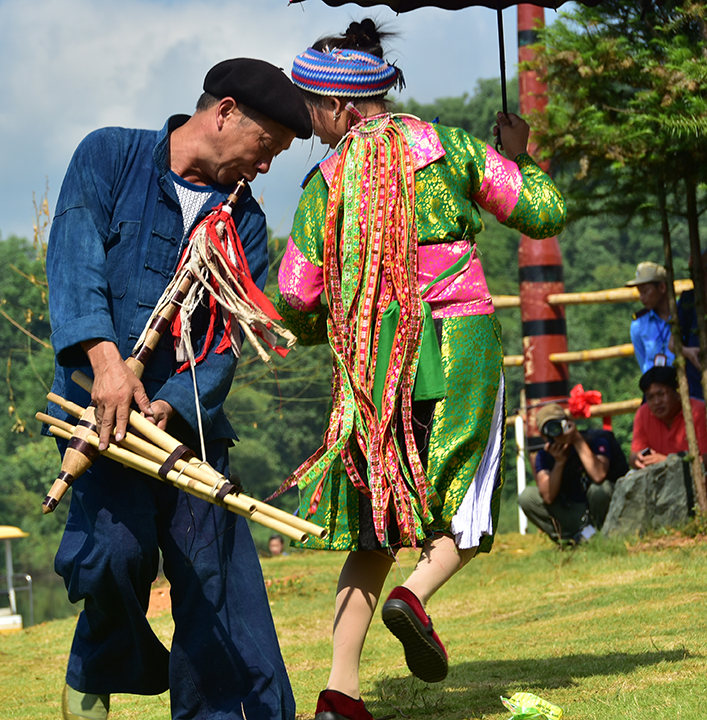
{"type": "Point", "coordinates": [676, 540]}
{"type": "Point", "coordinates": [159, 600]}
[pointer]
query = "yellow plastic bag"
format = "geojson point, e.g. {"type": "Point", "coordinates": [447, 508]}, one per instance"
{"type": "Point", "coordinates": [526, 706]}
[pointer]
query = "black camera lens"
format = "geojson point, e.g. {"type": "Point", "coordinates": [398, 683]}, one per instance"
{"type": "Point", "coordinates": [552, 429]}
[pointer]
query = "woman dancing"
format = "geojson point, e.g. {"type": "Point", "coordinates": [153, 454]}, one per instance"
{"type": "Point", "coordinates": [384, 234]}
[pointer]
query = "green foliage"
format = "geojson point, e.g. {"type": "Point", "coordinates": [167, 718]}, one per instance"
{"type": "Point", "coordinates": [476, 113]}
{"type": "Point", "coordinates": [628, 102]}
{"type": "Point", "coordinates": [279, 415]}
{"type": "Point", "coordinates": [27, 475]}
{"type": "Point", "coordinates": [25, 352]}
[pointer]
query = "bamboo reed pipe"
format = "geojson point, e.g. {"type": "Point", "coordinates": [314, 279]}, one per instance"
{"type": "Point", "coordinates": [167, 442]}
{"type": "Point", "coordinates": [151, 468]}
{"type": "Point", "coordinates": [164, 444]}
{"type": "Point", "coordinates": [190, 485]}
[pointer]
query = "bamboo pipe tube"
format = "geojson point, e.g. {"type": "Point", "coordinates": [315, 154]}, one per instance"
{"type": "Point", "coordinates": [190, 485]}
{"type": "Point", "coordinates": [149, 467]}
{"type": "Point", "coordinates": [165, 444]}
{"type": "Point", "coordinates": [79, 457]}
{"type": "Point", "coordinates": [146, 449]}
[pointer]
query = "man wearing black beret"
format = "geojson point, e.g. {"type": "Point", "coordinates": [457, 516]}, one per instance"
{"type": "Point", "coordinates": [127, 206]}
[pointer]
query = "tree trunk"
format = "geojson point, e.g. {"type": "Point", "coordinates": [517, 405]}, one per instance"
{"type": "Point", "coordinates": [698, 276]}
{"type": "Point", "coordinates": [698, 478]}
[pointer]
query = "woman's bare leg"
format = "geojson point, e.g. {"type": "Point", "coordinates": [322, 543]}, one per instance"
{"type": "Point", "coordinates": [439, 560]}
{"type": "Point", "coordinates": [360, 585]}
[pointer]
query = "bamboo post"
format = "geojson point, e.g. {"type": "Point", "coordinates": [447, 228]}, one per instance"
{"type": "Point", "coordinates": [625, 350]}
{"type": "Point", "coordinates": [614, 295]}
{"type": "Point", "coordinates": [698, 277]}
{"type": "Point", "coordinates": [698, 476]}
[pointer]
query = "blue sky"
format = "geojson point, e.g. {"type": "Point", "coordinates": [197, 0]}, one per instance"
{"type": "Point", "coordinates": [71, 66]}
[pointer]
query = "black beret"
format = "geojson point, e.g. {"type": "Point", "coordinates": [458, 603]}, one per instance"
{"type": "Point", "coordinates": [262, 87]}
{"type": "Point", "coordinates": [660, 374]}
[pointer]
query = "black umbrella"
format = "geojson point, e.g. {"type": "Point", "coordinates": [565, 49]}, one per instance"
{"type": "Point", "coordinates": [401, 6]}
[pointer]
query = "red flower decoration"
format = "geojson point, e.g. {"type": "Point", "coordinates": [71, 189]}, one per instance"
{"type": "Point", "coordinates": [580, 401]}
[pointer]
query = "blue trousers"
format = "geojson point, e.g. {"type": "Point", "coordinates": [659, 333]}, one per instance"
{"type": "Point", "coordinates": [225, 660]}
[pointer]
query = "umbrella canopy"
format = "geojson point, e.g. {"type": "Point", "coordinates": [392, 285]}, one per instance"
{"type": "Point", "coordinates": [401, 6]}
{"type": "Point", "coordinates": [407, 5]}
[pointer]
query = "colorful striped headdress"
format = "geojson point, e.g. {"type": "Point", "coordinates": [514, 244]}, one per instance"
{"type": "Point", "coordinates": [346, 73]}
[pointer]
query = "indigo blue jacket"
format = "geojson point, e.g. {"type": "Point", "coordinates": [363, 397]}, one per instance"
{"type": "Point", "coordinates": [114, 245]}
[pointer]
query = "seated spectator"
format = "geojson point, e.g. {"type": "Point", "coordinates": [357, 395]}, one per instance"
{"type": "Point", "coordinates": [650, 329]}
{"type": "Point", "coordinates": [575, 474]}
{"type": "Point", "coordinates": [276, 545]}
{"type": "Point", "coordinates": [659, 426]}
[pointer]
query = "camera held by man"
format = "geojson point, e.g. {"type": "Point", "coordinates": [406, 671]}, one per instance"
{"type": "Point", "coordinates": [575, 472]}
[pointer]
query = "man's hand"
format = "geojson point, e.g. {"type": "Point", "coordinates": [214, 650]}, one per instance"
{"type": "Point", "coordinates": [514, 133]}
{"type": "Point", "coordinates": [162, 411]}
{"type": "Point", "coordinates": [597, 466]}
{"type": "Point", "coordinates": [653, 457]}
{"type": "Point", "coordinates": [559, 449]}
{"type": "Point", "coordinates": [115, 386]}
{"type": "Point", "coordinates": [693, 355]}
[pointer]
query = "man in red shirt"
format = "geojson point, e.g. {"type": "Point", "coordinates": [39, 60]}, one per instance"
{"type": "Point", "coordinates": [659, 426]}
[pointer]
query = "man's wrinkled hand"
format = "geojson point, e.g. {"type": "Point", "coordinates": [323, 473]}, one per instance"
{"type": "Point", "coordinates": [115, 387]}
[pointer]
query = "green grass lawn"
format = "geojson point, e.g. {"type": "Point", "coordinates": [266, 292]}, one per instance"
{"type": "Point", "coordinates": [606, 631]}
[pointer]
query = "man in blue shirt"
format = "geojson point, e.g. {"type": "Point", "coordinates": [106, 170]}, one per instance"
{"type": "Point", "coordinates": [650, 329]}
{"type": "Point", "coordinates": [127, 205]}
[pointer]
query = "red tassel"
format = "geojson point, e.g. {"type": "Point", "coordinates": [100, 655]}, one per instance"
{"type": "Point", "coordinates": [242, 273]}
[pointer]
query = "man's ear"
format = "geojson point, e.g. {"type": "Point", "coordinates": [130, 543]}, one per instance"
{"type": "Point", "coordinates": [226, 108]}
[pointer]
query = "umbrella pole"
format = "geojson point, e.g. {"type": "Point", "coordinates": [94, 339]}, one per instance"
{"type": "Point", "coordinates": [502, 57]}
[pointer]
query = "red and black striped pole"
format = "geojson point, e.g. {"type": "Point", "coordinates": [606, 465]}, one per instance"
{"type": "Point", "coordinates": [539, 264]}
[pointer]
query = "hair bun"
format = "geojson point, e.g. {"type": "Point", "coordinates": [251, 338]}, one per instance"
{"type": "Point", "coordinates": [363, 34]}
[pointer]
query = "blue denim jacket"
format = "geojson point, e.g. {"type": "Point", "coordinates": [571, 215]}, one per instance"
{"type": "Point", "coordinates": [113, 247]}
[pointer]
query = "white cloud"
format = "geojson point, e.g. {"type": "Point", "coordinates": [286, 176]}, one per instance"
{"type": "Point", "coordinates": [70, 66]}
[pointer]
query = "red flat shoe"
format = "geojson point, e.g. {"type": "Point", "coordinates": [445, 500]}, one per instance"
{"type": "Point", "coordinates": [334, 705]}
{"type": "Point", "coordinates": [405, 617]}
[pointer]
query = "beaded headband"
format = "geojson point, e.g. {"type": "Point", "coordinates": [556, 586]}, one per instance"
{"type": "Point", "coordinates": [346, 73]}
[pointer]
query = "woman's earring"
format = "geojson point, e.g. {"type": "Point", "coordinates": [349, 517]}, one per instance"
{"type": "Point", "coordinates": [336, 115]}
